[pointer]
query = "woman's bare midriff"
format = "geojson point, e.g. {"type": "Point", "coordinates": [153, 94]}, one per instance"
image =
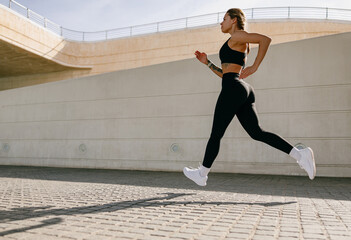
{"type": "Point", "coordinates": [231, 67]}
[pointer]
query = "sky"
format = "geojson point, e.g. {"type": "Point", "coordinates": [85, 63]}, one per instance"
{"type": "Point", "coordinates": [98, 15]}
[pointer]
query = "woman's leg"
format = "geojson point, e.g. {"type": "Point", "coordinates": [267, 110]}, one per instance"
{"type": "Point", "coordinates": [227, 105]}
{"type": "Point", "coordinates": [248, 118]}
{"type": "Point", "coordinates": [232, 97]}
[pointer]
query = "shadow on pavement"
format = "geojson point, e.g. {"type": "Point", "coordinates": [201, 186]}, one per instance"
{"type": "Point", "coordinates": [25, 213]}
{"type": "Point", "coordinates": [294, 186]}
{"type": "Point", "coordinates": [44, 223]}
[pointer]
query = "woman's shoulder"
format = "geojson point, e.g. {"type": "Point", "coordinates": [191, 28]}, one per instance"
{"type": "Point", "coordinates": [238, 38]}
{"type": "Point", "coordinates": [245, 37]}
{"type": "Point", "coordinates": [239, 34]}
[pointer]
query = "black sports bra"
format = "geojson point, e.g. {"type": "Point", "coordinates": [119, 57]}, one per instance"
{"type": "Point", "coordinates": [228, 55]}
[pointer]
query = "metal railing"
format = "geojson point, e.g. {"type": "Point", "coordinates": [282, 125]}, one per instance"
{"type": "Point", "coordinates": [182, 23]}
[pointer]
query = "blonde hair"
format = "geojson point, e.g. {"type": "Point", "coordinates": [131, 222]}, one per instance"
{"type": "Point", "coordinates": [240, 19]}
{"type": "Point", "coordinates": [239, 15]}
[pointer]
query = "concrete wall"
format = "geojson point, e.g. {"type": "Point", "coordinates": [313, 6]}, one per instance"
{"type": "Point", "coordinates": [159, 117]}
{"type": "Point", "coordinates": [68, 59]}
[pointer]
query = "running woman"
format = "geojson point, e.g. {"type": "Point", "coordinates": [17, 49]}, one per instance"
{"type": "Point", "coordinates": [238, 98]}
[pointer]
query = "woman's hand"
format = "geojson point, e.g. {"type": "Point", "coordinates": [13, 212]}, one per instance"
{"type": "Point", "coordinates": [202, 57]}
{"type": "Point", "coordinates": [247, 72]}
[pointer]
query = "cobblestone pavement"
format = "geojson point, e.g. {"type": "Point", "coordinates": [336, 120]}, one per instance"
{"type": "Point", "coordinates": [58, 203]}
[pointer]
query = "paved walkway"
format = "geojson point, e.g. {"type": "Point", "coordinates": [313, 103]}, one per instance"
{"type": "Point", "coordinates": [57, 203]}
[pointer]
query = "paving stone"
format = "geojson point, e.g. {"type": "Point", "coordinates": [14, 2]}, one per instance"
{"type": "Point", "coordinates": [288, 238]}
{"type": "Point", "coordinates": [58, 203]}
{"type": "Point", "coordinates": [289, 234]}
{"type": "Point", "coordinates": [237, 235]}
{"type": "Point", "coordinates": [262, 237]}
{"type": "Point", "coordinates": [339, 237]}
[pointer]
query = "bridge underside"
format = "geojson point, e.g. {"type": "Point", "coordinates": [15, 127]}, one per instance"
{"type": "Point", "coordinates": [16, 61]}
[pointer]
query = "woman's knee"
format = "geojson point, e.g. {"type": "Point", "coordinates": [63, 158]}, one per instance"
{"type": "Point", "coordinates": [216, 136]}
{"type": "Point", "coordinates": [257, 134]}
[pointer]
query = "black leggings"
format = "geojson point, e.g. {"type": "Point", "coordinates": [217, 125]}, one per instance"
{"type": "Point", "coordinates": [237, 98]}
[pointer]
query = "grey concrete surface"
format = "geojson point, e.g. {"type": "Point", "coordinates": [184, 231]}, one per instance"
{"type": "Point", "coordinates": [65, 203]}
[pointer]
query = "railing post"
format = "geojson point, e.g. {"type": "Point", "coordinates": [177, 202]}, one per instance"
{"type": "Point", "coordinates": [252, 13]}
{"type": "Point", "coordinates": [327, 13]}
{"type": "Point", "coordinates": [9, 3]}
{"type": "Point", "coordinates": [28, 12]}
{"type": "Point", "coordinates": [186, 22]}
{"type": "Point", "coordinates": [83, 36]}
{"type": "Point", "coordinates": [45, 23]}
{"type": "Point", "coordinates": [106, 34]}
{"type": "Point", "coordinates": [288, 12]}
{"type": "Point", "coordinates": [158, 27]}
{"type": "Point", "coordinates": [131, 31]}
{"type": "Point", "coordinates": [61, 31]}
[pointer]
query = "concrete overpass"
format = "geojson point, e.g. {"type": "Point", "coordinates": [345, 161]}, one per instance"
{"type": "Point", "coordinates": [30, 54]}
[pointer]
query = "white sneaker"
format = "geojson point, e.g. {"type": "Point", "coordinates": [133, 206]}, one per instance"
{"type": "Point", "coordinates": [307, 162]}
{"type": "Point", "coordinates": [194, 175]}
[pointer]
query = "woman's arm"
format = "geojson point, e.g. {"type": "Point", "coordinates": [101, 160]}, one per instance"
{"type": "Point", "coordinates": [218, 71]}
{"type": "Point", "coordinates": [202, 57]}
{"type": "Point", "coordinates": [260, 39]}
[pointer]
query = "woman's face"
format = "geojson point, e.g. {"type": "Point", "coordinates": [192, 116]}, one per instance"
{"type": "Point", "coordinates": [227, 23]}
